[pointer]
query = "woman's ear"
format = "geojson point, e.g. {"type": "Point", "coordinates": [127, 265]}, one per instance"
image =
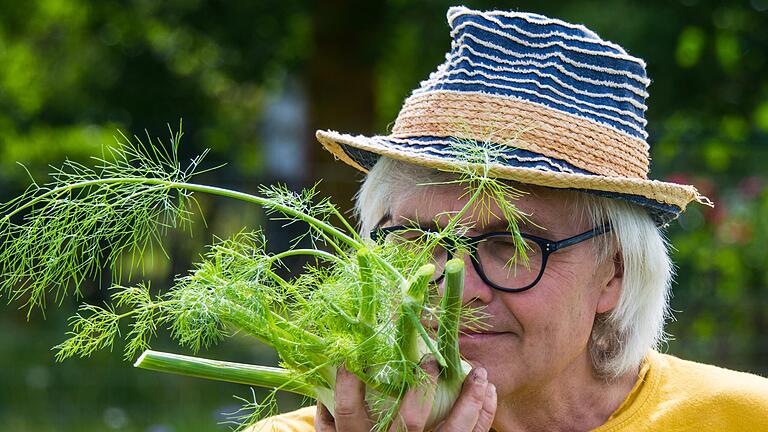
{"type": "Point", "coordinates": [611, 285]}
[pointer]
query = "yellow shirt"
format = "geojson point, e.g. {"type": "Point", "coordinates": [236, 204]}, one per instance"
{"type": "Point", "coordinates": [671, 395]}
{"type": "Point", "coordinates": [680, 395]}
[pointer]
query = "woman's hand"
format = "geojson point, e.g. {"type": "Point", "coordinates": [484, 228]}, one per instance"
{"type": "Point", "coordinates": [473, 411]}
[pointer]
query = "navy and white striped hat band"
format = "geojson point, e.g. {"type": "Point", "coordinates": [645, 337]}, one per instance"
{"type": "Point", "coordinates": [566, 108]}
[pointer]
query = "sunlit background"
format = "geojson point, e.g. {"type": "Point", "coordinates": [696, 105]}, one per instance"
{"type": "Point", "coordinates": [252, 80]}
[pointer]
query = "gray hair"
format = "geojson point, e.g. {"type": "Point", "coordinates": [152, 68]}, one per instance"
{"type": "Point", "coordinates": [620, 338]}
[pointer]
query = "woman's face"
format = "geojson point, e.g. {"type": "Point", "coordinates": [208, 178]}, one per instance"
{"type": "Point", "coordinates": [540, 334]}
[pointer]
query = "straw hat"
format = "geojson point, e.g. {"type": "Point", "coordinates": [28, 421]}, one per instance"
{"type": "Point", "coordinates": [559, 106]}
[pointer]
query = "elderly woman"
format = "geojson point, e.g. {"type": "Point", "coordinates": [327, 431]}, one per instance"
{"type": "Point", "coordinates": [571, 338]}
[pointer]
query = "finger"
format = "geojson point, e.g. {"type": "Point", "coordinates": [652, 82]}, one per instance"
{"type": "Point", "coordinates": [350, 412]}
{"type": "Point", "coordinates": [417, 402]}
{"type": "Point", "coordinates": [466, 411]}
{"type": "Point", "coordinates": [323, 419]}
{"type": "Point", "coordinates": [488, 411]}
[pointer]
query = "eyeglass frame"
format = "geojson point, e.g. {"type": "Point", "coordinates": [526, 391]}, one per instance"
{"type": "Point", "coordinates": [548, 247]}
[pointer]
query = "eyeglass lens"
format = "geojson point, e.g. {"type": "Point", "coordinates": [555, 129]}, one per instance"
{"type": "Point", "coordinates": [497, 256]}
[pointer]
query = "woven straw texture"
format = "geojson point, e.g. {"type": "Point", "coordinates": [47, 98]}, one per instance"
{"type": "Point", "coordinates": [562, 108]}
{"type": "Point", "coordinates": [523, 124]}
{"type": "Point", "coordinates": [668, 193]}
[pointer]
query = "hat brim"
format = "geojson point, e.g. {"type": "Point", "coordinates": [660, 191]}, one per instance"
{"type": "Point", "coordinates": [664, 201]}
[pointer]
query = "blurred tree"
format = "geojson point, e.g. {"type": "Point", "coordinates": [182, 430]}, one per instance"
{"type": "Point", "coordinates": [75, 71]}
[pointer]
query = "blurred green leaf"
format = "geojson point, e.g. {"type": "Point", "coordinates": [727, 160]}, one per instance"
{"type": "Point", "coordinates": [728, 51]}
{"type": "Point", "coordinates": [761, 116]}
{"type": "Point", "coordinates": [717, 155]}
{"type": "Point", "coordinates": [689, 46]}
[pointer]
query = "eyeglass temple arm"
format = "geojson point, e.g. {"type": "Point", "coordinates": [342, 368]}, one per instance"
{"type": "Point", "coordinates": [570, 241]}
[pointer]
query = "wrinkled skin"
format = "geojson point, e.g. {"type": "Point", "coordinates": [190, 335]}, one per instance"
{"type": "Point", "coordinates": [473, 411]}
{"type": "Point", "coordinates": [539, 374]}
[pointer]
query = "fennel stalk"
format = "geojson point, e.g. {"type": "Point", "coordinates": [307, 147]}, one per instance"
{"type": "Point", "coordinates": [360, 303]}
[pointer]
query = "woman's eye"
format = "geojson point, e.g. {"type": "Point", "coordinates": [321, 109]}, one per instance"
{"type": "Point", "coordinates": [501, 243]}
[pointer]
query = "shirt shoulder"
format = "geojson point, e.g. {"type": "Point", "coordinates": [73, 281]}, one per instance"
{"type": "Point", "coordinates": [301, 420]}
{"type": "Point", "coordinates": [711, 384]}
{"type": "Point", "coordinates": [681, 395]}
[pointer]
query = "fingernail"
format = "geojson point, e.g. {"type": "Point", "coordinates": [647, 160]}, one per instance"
{"type": "Point", "coordinates": [343, 372]}
{"type": "Point", "coordinates": [481, 375]}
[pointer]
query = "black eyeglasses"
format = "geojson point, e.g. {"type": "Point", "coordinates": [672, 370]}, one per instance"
{"type": "Point", "coordinates": [495, 255]}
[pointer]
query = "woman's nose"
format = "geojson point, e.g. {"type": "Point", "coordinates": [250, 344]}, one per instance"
{"type": "Point", "coordinates": [475, 289]}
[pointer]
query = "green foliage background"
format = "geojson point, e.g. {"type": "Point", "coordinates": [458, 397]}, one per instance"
{"type": "Point", "coordinates": [73, 71]}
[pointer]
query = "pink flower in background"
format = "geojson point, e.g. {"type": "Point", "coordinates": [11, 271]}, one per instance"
{"type": "Point", "coordinates": [751, 187]}
{"type": "Point", "coordinates": [735, 232]}
{"type": "Point", "coordinates": [679, 178]}
{"type": "Point", "coordinates": [712, 215]}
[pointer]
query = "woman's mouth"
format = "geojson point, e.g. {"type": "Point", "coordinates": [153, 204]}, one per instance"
{"type": "Point", "coordinates": [480, 336]}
